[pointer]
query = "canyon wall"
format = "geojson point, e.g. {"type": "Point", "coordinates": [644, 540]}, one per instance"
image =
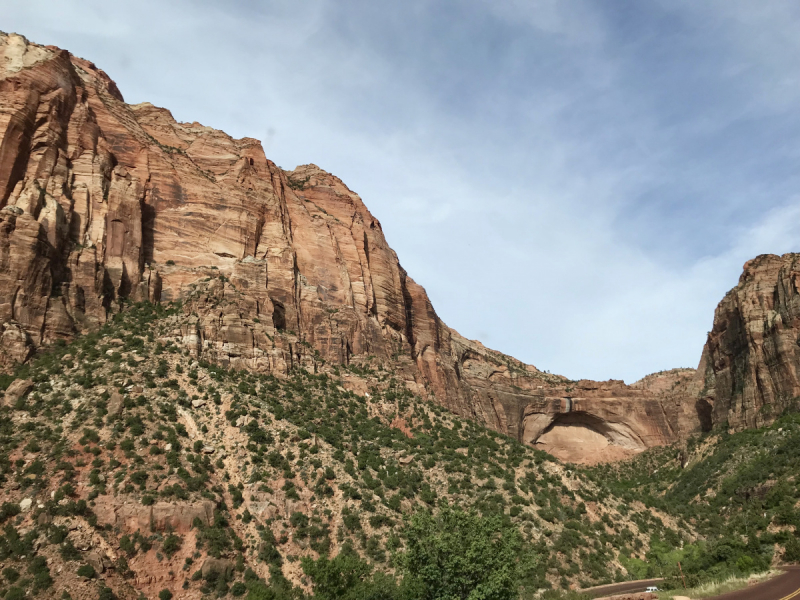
{"type": "Point", "coordinates": [751, 361]}
{"type": "Point", "coordinates": [102, 201]}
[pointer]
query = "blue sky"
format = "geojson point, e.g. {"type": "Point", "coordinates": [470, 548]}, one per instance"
{"type": "Point", "coordinates": [575, 183]}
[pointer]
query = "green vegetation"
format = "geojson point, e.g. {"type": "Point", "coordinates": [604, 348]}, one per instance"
{"type": "Point", "coordinates": [435, 507]}
{"type": "Point", "coordinates": [455, 554]}
{"type": "Point", "coordinates": [305, 436]}
{"type": "Point", "coordinates": [714, 588]}
{"type": "Point", "coordinates": [86, 571]}
{"type": "Point", "coordinates": [738, 492]}
{"type": "Point", "coordinates": [298, 183]}
{"type": "Point", "coordinates": [450, 554]}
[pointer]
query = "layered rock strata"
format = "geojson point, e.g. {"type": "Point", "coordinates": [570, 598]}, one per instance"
{"type": "Point", "coordinates": [751, 361]}
{"type": "Point", "coordinates": [102, 201]}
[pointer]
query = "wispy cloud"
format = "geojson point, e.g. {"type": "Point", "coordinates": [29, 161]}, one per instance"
{"type": "Point", "coordinates": [576, 183]}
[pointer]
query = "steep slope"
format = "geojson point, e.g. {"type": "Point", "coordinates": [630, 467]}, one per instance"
{"type": "Point", "coordinates": [127, 465]}
{"type": "Point", "coordinates": [751, 361]}
{"type": "Point", "coordinates": [101, 201]}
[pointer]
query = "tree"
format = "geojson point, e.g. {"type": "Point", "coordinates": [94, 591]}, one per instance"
{"type": "Point", "coordinates": [172, 543]}
{"type": "Point", "coordinates": [458, 555]}
{"type": "Point", "coordinates": [792, 550]}
{"type": "Point", "coordinates": [347, 576]}
{"type": "Point", "coordinates": [106, 593]}
{"type": "Point", "coordinates": [86, 571]}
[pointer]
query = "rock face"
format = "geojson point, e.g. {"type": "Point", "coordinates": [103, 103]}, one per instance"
{"type": "Point", "coordinates": [682, 391]}
{"type": "Point", "coordinates": [161, 516]}
{"type": "Point", "coordinates": [18, 389]}
{"type": "Point", "coordinates": [101, 200]}
{"type": "Point", "coordinates": [751, 361]}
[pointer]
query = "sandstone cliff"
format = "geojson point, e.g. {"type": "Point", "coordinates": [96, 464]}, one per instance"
{"type": "Point", "coordinates": [102, 201]}
{"type": "Point", "coordinates": [751, 361]}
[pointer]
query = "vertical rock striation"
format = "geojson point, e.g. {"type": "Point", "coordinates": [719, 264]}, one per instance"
{"type": "Point", "coordinates": [751, 361]}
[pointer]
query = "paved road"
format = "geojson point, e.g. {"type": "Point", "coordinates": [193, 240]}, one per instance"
{"type": "Point", "coordinates": [626, 587]}
{"type": "Point", "coordinates": [782, 587]}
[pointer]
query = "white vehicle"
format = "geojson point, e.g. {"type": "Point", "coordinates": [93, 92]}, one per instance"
{"type": "Point", "coordinates": [652, 588]}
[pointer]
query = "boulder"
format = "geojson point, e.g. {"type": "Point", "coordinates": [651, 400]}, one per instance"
{"type": "Point", "coordinates": [96, 560]}
{"type": "Point", "coordinates": [16, 346]}
{"type": "Point", "coordinates": [115, 404]}
{"type": "Point", "coordinates": [218, 566]}
{"type": "Point", "coordinates": [18, 389]}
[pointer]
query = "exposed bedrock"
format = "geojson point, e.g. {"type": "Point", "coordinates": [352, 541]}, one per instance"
{"type": "Point", "coordinates": [101, 200]}
{"type": "Point", "coordinates": [751, 361]}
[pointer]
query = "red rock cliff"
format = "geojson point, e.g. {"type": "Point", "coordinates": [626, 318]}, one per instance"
{"type": "Point", "coordinates": [101, 200]}
{"type": "Point", "coordinates": [751, 361]}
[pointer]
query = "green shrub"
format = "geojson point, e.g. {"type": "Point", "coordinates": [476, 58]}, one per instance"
{"type": "Point", "coordinates": [15, 593]}
{"type": "Point", "coordinates": [68, 551]}
{"type": "Point", "coordinates": [298, 520]}
{"type": "Point", "coordinates": [238, 589]}
{"type": "Point", "coordinates": [792, 550]}
{"type": "Point", "coordinates": [171, 544]}
{"type": "Point", "coordinates": [86, 571]}
{"type": "Point", "coordinates": [106, 593]}
{"type": "Point", "coordinates": [127, 545]}
{"type": "Point", "coordinates": [41, 574]}
{"type": "Point", "coordinates": [11, 574]}
{"type": "Point", "coordinates": [8, 510]}
{"type": "Point", "coordinates": [379, 520]}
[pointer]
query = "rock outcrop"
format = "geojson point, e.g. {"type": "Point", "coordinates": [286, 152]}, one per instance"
{"type": "Point", "coordinates": [751, 361]}
{"type": "Point", "coordinates": [18, 389]}
{"type": "Point", "coordinates": [101, 201]}
{"type": "Point", "coordinates": [161, 516]}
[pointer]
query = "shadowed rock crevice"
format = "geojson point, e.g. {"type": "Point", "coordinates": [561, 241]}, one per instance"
{"type": "Point", "coordinates": [148, 232]}
{"type": "Point", "coordinates": [705, 413]}
{"type": "Point", "coordinates": [409, 313]}
{"type": "Point", "coordinates": [278, 316]}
